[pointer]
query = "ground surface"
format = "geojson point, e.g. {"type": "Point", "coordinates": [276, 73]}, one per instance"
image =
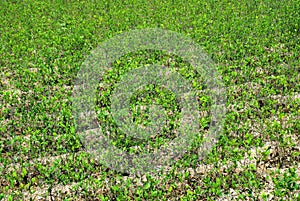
{"type": "Point", "coordinates": [256, 47]}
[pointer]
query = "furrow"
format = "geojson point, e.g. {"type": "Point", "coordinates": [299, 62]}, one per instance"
{"type": "Point", "coordinates": [232, 107]}
{"type": "Point", "coordinates": [251, 157]}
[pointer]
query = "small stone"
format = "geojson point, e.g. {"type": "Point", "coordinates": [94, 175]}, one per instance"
{"type": "Point", "coordinates": [191, 171]}
{"type": "Point", "coordinates": [144, 179]}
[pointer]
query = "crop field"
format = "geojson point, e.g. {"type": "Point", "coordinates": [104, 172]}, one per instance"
{"type": "Point", "coordinates": [255, 46]}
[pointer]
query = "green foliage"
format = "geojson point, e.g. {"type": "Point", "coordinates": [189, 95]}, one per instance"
{"type": "Point", "coordinates": [255, 45]}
